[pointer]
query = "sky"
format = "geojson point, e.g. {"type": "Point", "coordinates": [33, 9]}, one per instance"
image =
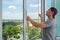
{"type": "Point", "coordinates": [13, 9]}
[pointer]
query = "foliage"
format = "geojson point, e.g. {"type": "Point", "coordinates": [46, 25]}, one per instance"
{"type": "Point", "coordinates": [34, 33]}
{"type": "Point", "coordinates": [10, 30]}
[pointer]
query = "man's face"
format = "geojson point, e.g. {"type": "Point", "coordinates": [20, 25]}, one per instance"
{"type": "Point", "coordinates": [49, 12]}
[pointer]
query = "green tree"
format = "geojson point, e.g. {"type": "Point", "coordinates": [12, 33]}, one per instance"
{"type": "Point", "coordinates": [10, 30]}
{"type": "Point", "coordinates": [34, 33]}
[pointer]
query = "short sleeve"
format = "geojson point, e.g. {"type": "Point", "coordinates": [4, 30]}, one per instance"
{"type": "Point", "coordinates": [49, 24]}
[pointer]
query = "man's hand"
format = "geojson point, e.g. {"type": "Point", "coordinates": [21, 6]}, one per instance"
{"type": "Point", "coordinates": [28, 18]}
{"type": "Point", "coordinates": [40, 15]}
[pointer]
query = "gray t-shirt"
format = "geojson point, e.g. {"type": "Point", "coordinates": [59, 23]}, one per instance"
{"type": "Point", "coordinates": [49, 33]}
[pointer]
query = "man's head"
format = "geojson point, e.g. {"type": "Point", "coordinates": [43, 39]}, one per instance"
{"type": "Point", "coordinates": [51, 12]}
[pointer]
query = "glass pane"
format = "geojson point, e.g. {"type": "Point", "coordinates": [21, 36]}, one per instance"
{"type": "Point", "coordinates": [33, 9]}
{"type": "Point", "coordinates": [12, 16]}
{"type": "Point", "coordinates": [47, 6]}
{"type": "Point", "coordinates": [57, 5]}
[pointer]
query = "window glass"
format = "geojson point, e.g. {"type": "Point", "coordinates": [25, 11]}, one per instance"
{"type": "Point", "coordinates": [12, 16]}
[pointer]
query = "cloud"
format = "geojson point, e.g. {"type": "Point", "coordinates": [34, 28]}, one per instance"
{"type": "Point", "coordinates": [9, 15]}
{"type": "Point", "coordinates": [35, 5]}
{"type": "Point", "coordinates": [33, 15]}
{"type": "Point", "coordinates": [12, 7]}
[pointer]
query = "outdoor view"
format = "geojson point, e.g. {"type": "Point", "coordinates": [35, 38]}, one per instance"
{"type": "Point", "coordinates": [12, 19]}
{"type": "Point", "coordinates": [12, 16]}
{"type": "Point", "coordinates": [33, 9]}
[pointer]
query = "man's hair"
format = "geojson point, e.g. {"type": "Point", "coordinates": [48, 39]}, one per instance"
{"type": "Point", "coordinates": [53, 9]}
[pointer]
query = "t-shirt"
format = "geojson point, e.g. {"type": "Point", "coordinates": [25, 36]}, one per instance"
{"type": "Point", "coordinates": [49, 33]}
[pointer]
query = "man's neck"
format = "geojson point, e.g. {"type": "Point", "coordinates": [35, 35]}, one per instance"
{"type": "Point", "coordinates": [50, 17]}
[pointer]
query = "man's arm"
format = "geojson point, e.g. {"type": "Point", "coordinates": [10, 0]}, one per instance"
{"type": "Point", "coordinates": [38, 25]}
{"type": "Point", "coordinates": [41, 25]}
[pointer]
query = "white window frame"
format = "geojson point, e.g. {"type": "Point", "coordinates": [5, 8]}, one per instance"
{"type": "Point", "coordinates": [0, 19]}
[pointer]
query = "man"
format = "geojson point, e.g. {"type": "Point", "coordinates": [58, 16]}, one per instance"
{"type": "Point", "coordinates": [49, 27]}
